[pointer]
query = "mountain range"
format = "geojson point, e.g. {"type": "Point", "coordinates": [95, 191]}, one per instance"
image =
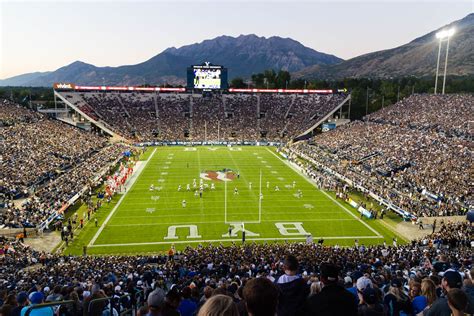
{"type": "Point", "coordinates": [416, 58]}
{"type": "Point", "coordinates": [248, 54]}
{"type": "Point", "coordinates": [243, 56]}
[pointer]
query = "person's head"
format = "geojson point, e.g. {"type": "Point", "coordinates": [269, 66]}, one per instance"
{"type": "Point", "coordinates": [36, 298]}
{"type": "Point", "coordinates": [363, 283]}
{"type": "Point", "coordinates": [451, 280]}
{"type": "Point", "coordinates": [257, 291]}
{"type": "Point", "coordinates": [290, 265]}
{"type": "Point", "coordinates": [428, 290]}
{"type": "Point", "coordinates": [329, 273]}
{"type": "Point", "coordinates": [208, 292]}
{"type": "Point", "coordinates": [369, 296]}
{"type": "Point", "coordinates": [457, 301]}
{"type": "Point", "coordinates": [155, 301]}
{"type": "Point", "coordinates": [219, 305]}
{"type": "Point", "coordinates": [173, 297]}
{"type": "Point", "coordinates": [415, 289]}
{"type": "Point", "coordinates": [186, 292]}
{"type": "Point", "coordinates": [396, 288]}
{"type": "Point", "coordinates": [22, 299]}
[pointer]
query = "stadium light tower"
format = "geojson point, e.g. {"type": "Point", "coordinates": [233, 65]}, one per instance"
{"type": "Point", "coordinates": [445, 34]}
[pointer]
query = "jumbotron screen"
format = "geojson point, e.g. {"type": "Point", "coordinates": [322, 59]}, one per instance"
{"type": "Point", "coordinates": [207, 77]}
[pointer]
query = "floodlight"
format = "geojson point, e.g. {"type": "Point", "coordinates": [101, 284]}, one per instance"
{"type": "Point", "coordinates": [445, 33]}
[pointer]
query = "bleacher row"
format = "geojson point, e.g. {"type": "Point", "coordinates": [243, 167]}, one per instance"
{"type": "Point", "coordinates": [417, 153]}
{"type": "Point", "coordinates": [184, 117]}
{"type": "Point", "coordinates": [432, 276]}
{"type": "Point", "coordinates": [44, 163]}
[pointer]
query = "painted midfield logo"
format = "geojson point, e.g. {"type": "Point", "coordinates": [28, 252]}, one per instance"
{"type": "Point", "coordinates": [227, 175]}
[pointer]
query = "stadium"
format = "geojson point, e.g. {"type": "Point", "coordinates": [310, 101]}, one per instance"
{"type": "Point", "coordinates": [213, 198]}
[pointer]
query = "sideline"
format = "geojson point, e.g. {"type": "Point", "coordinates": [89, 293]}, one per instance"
{"type": "Point", "coordinates": [170, 242]}
{"type": "Point", "coordinates": [330, 197]}
{"type": "Point", "coordinates": [129, 187]}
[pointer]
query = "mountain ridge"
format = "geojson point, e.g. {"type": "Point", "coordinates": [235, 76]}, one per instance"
{"type": "Point", "coordinates": [415, 58]}
{"type": "Point", "coordinates": [243, 56]}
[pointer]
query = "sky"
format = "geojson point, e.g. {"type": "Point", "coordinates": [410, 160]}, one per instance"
{"type": "Point", "coordinates": [43, 36]}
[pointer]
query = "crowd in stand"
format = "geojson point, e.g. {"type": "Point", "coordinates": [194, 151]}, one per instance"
{"type": "Point", "coordinates": [170, 117]}
{"type": "Point", "coordinates": [45, 162]}
{"type": "Point", "coordinates": [253, 279]}
{"type": "Point", "coordinates": [420, 167]}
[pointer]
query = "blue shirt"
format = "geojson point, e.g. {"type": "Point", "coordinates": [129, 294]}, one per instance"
{"type": "Point", "coordinates": [43, 311]}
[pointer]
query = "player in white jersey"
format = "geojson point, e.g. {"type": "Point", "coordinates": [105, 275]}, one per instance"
{"type": "Point", "coordinates": [179, 188]}
{"type": "Point", "coordinates": [236, 191]}
{"type": "Point", "coordinates": [277, 188]}
{"type": "Point", "coordinates": [268, 185]}
{"type": "Point", "coordinates": [152, 187]}
{"type": "Point", "coordinates": [188, 187]}
{"type": "Point", "coordinates": [183, 203]}
{"type": "Point", "coordinates": [213, 187]}
{"type": "Point", "coordinates": [294, 184]}
{"type": "Point", "coordinates": [250, 185]}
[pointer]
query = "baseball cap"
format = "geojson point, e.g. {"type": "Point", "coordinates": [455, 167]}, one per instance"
{"type": "Point", "coordinates": [347, 280]}
{"type": "Point", "coordinates": [36, 298]}
{"type": "Point", "coordinates": [396, 283]}
{"type": "Point", "coordinates": [356, 275]}
{"type": "Point", "coordinates": [369, 295]}
{"type": "Point", "coordinates": [453, 278]}
{"type": "Point", "coordinates": [329, 271]}
{"type": "Point", "coordinates": [22, 297]}
{"type": "Point", "coordinates": [156, 298]}
{"type": "Point", "coordinates": [363, 283]}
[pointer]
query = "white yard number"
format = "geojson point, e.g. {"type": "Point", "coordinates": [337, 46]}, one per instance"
{"type": "Point", "coordinates": [291, 229]}
{"type": "Point", "coordinates": [193, 231]}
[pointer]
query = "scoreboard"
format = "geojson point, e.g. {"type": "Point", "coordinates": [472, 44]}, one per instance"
{"type": "Point", "coordinates": [207, 77]}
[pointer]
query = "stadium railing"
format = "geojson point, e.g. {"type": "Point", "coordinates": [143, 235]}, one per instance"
{"type": "Point", "coordinates": [52, 305]}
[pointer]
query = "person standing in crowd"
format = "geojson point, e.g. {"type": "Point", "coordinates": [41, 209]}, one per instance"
{"type": "Point", "coordinates": [334, 299]}
{"type": "Point", "coordinates": [293, 288]}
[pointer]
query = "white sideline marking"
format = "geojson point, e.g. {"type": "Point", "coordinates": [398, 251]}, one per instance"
{"type": "Point", "coordinates": [220, 222]}
{"type": "Point", "coordinates": [223, 240]}
{"type": "Point", "coordinates": [330, 197]}
{"type": "Point", "coordinates": [131, 184]}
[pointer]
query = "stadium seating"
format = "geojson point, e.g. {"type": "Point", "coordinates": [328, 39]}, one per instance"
{"type": "Point", "coordinates": [410, 153]}
{"type": "Point", "coordinates": [175, 117]}
{"type": "Point", "coordinates": [191, 277]}
{"type": "Point", "coordinates": [46, 162]}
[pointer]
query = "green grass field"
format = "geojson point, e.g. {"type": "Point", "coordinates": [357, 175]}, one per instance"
{"type": "Point", "coordinates": [145, 221]}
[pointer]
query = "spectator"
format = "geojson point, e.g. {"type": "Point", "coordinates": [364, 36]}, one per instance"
{"type": "Point", "coordinates": [219, 305]}
{"type": "Point", "coordinates": [262, 298]}
{"type": "Point", "coordinates": [293, 289]}
{"type": "Point", "coordinates": [457, 302]}
{"type": "Point", "coordinates": [36, 298]}
{"type": "Point", "coordinates": [155, 302]}
{"type": "Point", "coordinates": [396, 301]}
{"type": "Point", "coordinates": [333, 299]}
{"type": "Point", "coordinates": [369, 303]}
{"type": "Point", "coordinates": [451, 280]}
{"type": "Point", "coordinates": [187, 307]}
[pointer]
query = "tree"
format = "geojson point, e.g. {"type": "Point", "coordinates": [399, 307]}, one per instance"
{"type": "Point", "coordinates": [238, 83]}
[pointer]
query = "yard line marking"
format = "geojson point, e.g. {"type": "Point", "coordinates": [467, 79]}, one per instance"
{"type": "Point", "coordinates": [330, 197]}
{"type": "Point", "coordinates": [220, 222]}
{"type": "Point", "coordinates": [132, 183]}
{"type": "Point", "coordinates": [224, 240]}
{"type": "Point", "coordinates": [286, 212]}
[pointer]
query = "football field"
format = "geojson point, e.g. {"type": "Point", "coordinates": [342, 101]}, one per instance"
{"type": "Point", "coordinates": [231, 190]}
